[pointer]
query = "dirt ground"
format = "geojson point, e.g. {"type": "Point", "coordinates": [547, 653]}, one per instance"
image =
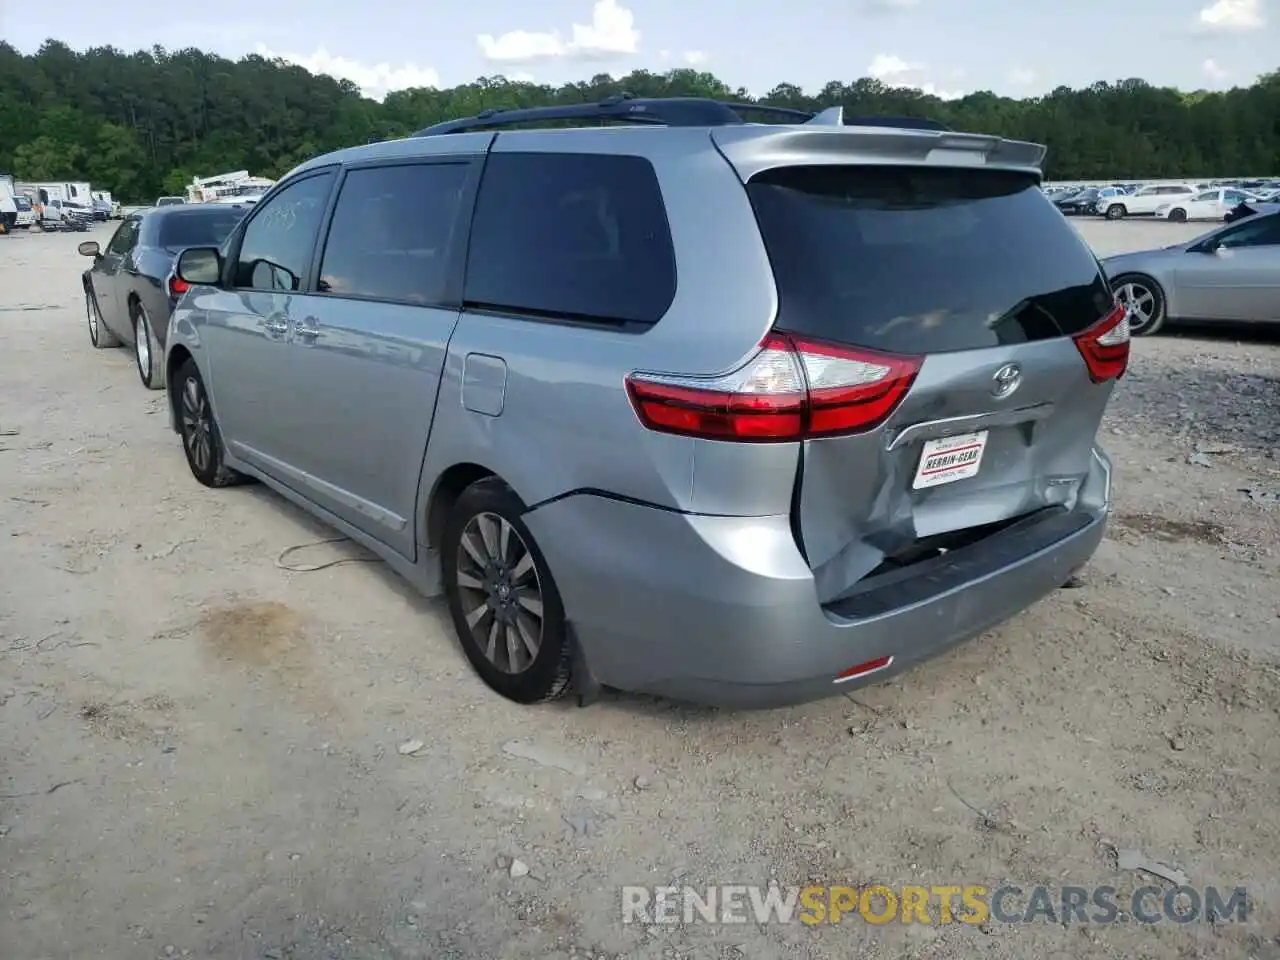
{"type": "Point", "coordinates": [200, 752]}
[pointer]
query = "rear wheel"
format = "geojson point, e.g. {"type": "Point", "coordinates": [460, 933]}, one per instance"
{"type": "Point", "coordinates": [99, 335]}
{"type": "Point", "coordinates": [1116, 211]}
{"type": "Point", "coordinates": [146, 351]}
{"type": "Point", "coordinates": [1178, 215]}
{"type": "Point", "coordinates": [504, 604]}
{"type": "Point", "coordinates": [201, 440]}
{"type": "Point", "coordinates": [1143, 298]}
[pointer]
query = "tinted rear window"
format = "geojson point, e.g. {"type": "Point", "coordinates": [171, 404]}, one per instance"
{"type": "Point", "coordinates": [573, 236]}
{"type": "Point", "coordinates": [914, 260]}
{"type": "Point", "coordinates": [203, 229]}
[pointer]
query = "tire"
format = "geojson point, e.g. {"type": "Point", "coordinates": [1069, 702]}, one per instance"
{"type": "Point", "coordinates": [201, 439]}
{"type": "Point", "coordinates": [1116, 211]}
{"type": "Point", "coordinates": [504, 597]}
{"type": "Point", "coordinates": [147, 355]}
{"type": "Point", "coordinates": [99, 334]}
{"type": "Point", "coordinates": [1177, 215]}
{"type": "Point", "coordinates": [1129, 288]}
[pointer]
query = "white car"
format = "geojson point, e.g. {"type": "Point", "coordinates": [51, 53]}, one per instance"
{"type": "Point", "coordinates": [1209, 205]}
{"type": "Point", "coordinates": [1143, 202]}
{"type": "Point", "coordinates": [1106, 196]}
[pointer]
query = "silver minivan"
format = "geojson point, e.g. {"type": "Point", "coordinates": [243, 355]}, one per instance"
{"type": "Point", "coordinates": [737, 412]}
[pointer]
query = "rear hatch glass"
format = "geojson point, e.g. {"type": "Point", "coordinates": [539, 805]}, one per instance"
{"type": "Point", "coordinates": [202, 228]}
{"type": "Point", "coordinates": [977, 271]}
{"type": "Point", "coordinates": [923, 260]}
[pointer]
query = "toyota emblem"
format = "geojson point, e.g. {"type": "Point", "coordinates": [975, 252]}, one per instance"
{"type": "Point", "coordinates": [1006, 380]}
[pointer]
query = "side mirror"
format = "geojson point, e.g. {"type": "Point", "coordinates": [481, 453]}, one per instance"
{"type": "Point", "coordinates": [90, 248]}
{"type": "Point", "coordinates": [200, 266]}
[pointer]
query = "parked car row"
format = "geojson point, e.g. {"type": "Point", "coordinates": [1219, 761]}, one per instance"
{"type": "Point", "coordinates": [618, 396]}
{"type": "Point", "coordinates": [1178, 202]}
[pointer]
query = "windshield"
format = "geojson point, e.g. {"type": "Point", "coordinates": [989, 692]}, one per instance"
{"type": "Point", "coordinates": [930, 259]}
{"type": "Point", "coordinates": [203, 228]}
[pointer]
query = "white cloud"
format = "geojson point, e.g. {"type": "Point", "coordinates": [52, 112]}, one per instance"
{"type": "Point", "coordinates": [611, 33]}
{"type": "Point", "coordinates": [886, 65]}
{"type": "Point", "coordinates": [1213, 71]}
{"type": "Point", "coordinates": [694, 58]}
{"type": "Point", "coordinates": [1228, 15]}
{"type": "Point", "coordinates": [893, 71]}
{"type": "Point", "coordinates": [374, 80]}
{"type": "Point", "coordinates": [891, 6]}
{"type": "Point", "coordinates": [1022, 77]}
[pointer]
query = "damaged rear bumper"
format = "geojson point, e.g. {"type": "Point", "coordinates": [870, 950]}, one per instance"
{"type": "Point", "coordinates": [723, 610]}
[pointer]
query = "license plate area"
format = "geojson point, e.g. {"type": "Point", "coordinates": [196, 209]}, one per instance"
{"type": "Point", "coordinates": [949, 459]}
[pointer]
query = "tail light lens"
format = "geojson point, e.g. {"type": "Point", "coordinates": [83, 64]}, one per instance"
{"type": "Point", "coordinates": [1105, 346]}
{"type": "Point", "coordinates": [792, 389]}
{"type": "Point", "coordinates": [177, 286]}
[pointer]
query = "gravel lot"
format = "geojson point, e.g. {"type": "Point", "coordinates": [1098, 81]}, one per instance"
{"type": "Point", "coordinates": [199, 751]}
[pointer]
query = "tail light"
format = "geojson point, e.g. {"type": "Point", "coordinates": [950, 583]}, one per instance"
{"type": "Point", "coordinates": [1105, 346]}
{"type": "Point", "coordinates": [177, 286]}
{"type": "Point", "coordinates": [792, 389]}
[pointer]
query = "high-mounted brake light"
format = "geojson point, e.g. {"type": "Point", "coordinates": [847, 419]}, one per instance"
{"type": "Point", "coordinates": [177, 286]}
{"type": "Point", "coordinates": [792, 389]}
{"type": "Point", "coordinates": [1105, 346]}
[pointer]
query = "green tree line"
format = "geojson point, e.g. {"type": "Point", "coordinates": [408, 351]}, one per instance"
{"type": "Point", "coordinates": [144, 123]}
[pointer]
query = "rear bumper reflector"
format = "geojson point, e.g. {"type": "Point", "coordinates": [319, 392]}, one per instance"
{"type": "Point", "coordinates": [862, 669]}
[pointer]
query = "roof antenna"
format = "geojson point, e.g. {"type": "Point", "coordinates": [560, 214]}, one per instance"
{"type": "Point", "coordinates": [830, 117]}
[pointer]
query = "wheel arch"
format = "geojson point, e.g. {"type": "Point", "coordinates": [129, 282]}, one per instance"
{"type": "Point", "coordinates": [444, 494]}
{"type": "Point", "coordinates": [175, 358]}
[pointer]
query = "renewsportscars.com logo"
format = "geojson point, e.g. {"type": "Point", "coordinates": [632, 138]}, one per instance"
{"type": "Point", "coordinates": [970, 904]}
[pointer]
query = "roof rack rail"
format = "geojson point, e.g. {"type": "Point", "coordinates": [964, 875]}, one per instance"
{"type": "Point", "coordinates": [660, 111]}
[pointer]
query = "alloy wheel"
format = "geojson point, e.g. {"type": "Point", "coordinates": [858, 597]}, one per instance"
{"type": "Point", "coordinates": [197, 425]}
{"type": "Point", "coordinates": [501, 592]}
{"type": "Point", "coordinates": [92, 315]}
{"type": "Point", "coordinates": [142, 345]}
{"type": "Point", "coordinates": [1139, 302]}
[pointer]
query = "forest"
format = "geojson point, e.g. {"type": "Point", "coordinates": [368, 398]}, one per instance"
{"type": "Point", "coordinates": [144, 123]}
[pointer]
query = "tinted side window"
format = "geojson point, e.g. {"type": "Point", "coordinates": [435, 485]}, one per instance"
{"type": "Point", "coordinates": [124, 239]}
{"type": "Point", "coordinates": [278, 241]}
{"type": "Point", "coordinates": [579, 236]}
{"type": "Point", "coordinates": [392, 231]}
{"type": "Point", "coordinates": [1259, 232]}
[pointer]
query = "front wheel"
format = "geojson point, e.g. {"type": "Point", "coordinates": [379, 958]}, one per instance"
{"type": "Point", "coordinates": [504, 604]}
{"type": "Point", "coordinates": [1178, 215]}
{"type": "Point", "coordinates": [1143, 298]}
{"type": "Point", "coordinates": [1116, 211]}
{"type": "Point", "coordinates": [201, 439]}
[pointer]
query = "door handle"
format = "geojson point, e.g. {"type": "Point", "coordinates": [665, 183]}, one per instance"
{"type": "Point", "coordinates": [307, 329]}
{"type": "Point", "coordinates": [277, 326]}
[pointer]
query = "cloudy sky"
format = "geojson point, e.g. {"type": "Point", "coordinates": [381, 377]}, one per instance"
{"type": "Point", "coordinates": [945, 46]}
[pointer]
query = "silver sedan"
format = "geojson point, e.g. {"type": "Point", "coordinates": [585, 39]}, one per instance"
{"type": "Point", "coordinates": [1229, 274]}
